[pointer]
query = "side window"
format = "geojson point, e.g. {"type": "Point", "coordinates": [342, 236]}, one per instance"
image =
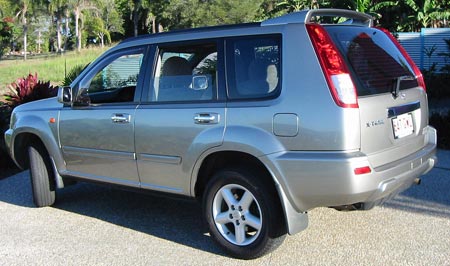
{"type": "Point", "coordinates": [253, 68]}
{"type": "Point", "coordinates": [114, 82]}
{"type": "Point", "coordinates": [185, 73]}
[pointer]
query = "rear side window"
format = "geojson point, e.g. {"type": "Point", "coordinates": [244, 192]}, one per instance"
{"type": "Point", "coordinates": [254, 67]}
{"type": "Point", "coordinates": [374, 60]}
{"type": "Point", "coordinates": [185, 73]}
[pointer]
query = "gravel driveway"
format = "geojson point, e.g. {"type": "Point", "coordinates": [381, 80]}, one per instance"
{"type": "Point", "coordinates": [96, 225]}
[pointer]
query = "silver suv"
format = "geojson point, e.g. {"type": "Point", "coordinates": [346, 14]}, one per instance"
{"type": "Point", "coordinates": [261, 122]}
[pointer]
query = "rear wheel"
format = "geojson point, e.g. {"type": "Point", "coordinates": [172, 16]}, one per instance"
{"type": "Point", "coordinates": [243, 214]}
{"type": "Point", "coordinates": [41, 173]}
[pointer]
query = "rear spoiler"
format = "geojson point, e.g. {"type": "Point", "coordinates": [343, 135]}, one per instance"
{"type": "Point", "coordinates": [313, 15]}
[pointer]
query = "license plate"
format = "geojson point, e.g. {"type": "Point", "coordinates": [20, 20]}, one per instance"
{"type": "Point", "coordinates": [402, 125]}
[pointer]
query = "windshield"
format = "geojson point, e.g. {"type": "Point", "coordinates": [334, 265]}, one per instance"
{"type": "Point", "coordinates": [375, 62]}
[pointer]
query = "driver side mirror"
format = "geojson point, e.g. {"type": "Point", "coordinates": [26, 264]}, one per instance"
{"type": "Point", "coordinates": [65, 95]}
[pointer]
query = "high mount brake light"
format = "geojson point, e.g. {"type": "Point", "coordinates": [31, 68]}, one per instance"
{"type": "Point", "coordinates": [417, 73]}
{"type": "Point", "coordinates": [333, 65]}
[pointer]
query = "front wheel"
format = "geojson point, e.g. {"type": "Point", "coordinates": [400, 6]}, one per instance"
{"type": "Point", "coordinates": [243, 214]}
{"type": "Point", "coordinates": [41, 173]}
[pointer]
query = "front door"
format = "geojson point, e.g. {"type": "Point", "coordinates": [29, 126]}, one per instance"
{"type": "Point", "coordinates": [97, 133]}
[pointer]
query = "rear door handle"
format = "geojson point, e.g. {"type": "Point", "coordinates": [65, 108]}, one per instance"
{"type": "Point", "coordinates": [121, 118]}
{"type": "Point", "coordinates": [207, 118]}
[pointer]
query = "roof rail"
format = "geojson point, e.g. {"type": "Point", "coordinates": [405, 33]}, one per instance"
{"type": "Point", "coordinates": [310, 16]}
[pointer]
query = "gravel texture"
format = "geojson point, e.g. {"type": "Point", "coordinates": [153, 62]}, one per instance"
{"type": "Point", "coordinates": [96, 225]}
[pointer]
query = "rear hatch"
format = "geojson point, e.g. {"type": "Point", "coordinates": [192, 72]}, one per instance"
{"type": "Point", "coordinates": [391, 94]}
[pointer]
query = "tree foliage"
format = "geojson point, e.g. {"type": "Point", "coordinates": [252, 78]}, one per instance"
{"type": "Point", "coordinates": [72, 21]}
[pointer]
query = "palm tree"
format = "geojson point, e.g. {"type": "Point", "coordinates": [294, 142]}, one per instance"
{"type": "Point", "coordinates": [22, 7]}
{"type": "Point", "coordinates": [78, 6]}
{"type": "Point", "coordinates": [427, 12]}
{"type": "Point", "coordinates": [57, 8]}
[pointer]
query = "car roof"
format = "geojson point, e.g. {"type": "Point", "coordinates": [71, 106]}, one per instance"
{"type": "Point", "coordinates": [300, 17]}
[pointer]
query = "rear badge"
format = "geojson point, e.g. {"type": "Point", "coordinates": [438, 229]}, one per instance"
{"type": "Point", "coordinates": [378, 122]}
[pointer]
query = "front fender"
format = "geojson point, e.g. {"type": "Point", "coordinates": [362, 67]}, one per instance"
{"type": "Point", "coordinates": [42, 125]}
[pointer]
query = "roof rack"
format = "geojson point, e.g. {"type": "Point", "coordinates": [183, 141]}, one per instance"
{"type": "Point", "coordinates": [312, 15]}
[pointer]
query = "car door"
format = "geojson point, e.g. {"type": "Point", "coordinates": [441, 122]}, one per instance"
{"type": "Point", "coordinates": [97, 132]}
{"type": "Point", "coordinates": [181, 117]}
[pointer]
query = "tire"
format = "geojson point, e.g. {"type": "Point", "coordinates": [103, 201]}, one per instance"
{"type": "Point", "coordinates": [41, 173]}
{"type": "Point", "coordinates": [243, 214]}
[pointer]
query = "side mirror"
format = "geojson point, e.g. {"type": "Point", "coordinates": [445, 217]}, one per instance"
{"type": "Point", "coordinates": [199, 83]}
{"type": "Point", "coordinates": [65, 95]}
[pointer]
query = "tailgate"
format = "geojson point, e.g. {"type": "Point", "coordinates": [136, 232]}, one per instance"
{"type": "Point", "coordinates": [393, 128]}
{"type": "Point", "coordinates": [393, 106]}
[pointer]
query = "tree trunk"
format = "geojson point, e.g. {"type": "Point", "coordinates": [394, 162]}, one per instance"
{"type": "Point", "coordinates": [25, 32]}
{"type": "Point", "coordinates": [66, 31]}
{"type": "Point", "coordinates": [135, 21]}
{"type": "Point", "coordinates": [58, 33]}
{"type": "Point", "coordinates": [77, 28]}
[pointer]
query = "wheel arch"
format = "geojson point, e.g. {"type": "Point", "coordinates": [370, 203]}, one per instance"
{"type": "Point", "coordinates": [294, 221]}
{"type": "Point", "coordinates": [24, 137]}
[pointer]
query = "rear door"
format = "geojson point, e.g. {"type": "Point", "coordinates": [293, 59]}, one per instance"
{"type": "Point", "coordinates": [181, 116]}
{"type": "Point", "coordinates": [393, 107]}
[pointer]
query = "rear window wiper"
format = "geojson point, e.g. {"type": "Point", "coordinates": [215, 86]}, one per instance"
{"type": "Point", "coordinates": [396, 85]}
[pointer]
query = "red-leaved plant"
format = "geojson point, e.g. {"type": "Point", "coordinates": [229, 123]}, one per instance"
{"type": "Point", "coordinates": [29, 89]}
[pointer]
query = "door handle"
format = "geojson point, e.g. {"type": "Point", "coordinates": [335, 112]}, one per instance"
{"type": "Point", "coordinates": [121, 118]}
{"type": "Point", "coordinates": [206, 118]}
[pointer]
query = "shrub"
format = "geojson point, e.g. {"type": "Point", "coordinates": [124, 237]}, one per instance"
{"type": "Point", "coordinates": [29, 89]}
{"type": "Point", "coordinates": [73, 74]}
{"type": "Point", "coordinates": [5, 113]}
{"type": "Point", "coordinates": [442, 125]}
{"type": "Point", "coordinates": [437, 85]}
{"type": "Point", "coordinates": [24, 90]}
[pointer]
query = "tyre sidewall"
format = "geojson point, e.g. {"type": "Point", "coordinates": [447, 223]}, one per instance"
{"type": "Point", "coordinates": [260, 193]}
{"type": "Point", "coordinates": [40, 174]}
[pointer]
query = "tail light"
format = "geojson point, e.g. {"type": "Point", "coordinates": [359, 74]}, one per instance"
{"type": "Point", "coordinates": [416, 70]}
{"type": "Point", "coordinates": [333, 65]}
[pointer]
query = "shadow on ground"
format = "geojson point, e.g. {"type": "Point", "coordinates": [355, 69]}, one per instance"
{"type": "Point", "coordinates": [179, 221]}
{"type": "Point", "coordinates": [182, 222]}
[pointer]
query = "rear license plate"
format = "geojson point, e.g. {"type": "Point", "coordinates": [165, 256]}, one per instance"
{"type": "Point", "coordinates": [402, 125]}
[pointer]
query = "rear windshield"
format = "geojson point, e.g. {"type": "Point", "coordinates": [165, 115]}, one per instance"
{"type": "Point", "coordinates": [375, 62]}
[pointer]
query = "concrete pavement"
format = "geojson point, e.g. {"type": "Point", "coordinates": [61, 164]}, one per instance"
{"type": "Point", "coordinates": [96, 225]}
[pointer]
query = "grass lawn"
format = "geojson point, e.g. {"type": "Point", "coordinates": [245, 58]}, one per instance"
{"type": "Point", "coordinates": [48, 67]}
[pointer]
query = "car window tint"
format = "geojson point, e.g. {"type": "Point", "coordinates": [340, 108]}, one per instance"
{"type": "Point", "coordinates": [374, 60]}
{"type": "Point", "coordinates": [116, 81]}
{"type": "Point", "coordinates": [185, 73]}
{"type": "Point", "coordinates": [253, 71]}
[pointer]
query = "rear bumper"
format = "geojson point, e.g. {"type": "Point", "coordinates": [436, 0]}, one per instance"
{"type": "Point", "coordinates": [325, 179]}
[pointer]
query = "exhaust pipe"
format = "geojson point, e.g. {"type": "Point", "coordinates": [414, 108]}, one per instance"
{"type": "Point", "coordinates": [417, 181]}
